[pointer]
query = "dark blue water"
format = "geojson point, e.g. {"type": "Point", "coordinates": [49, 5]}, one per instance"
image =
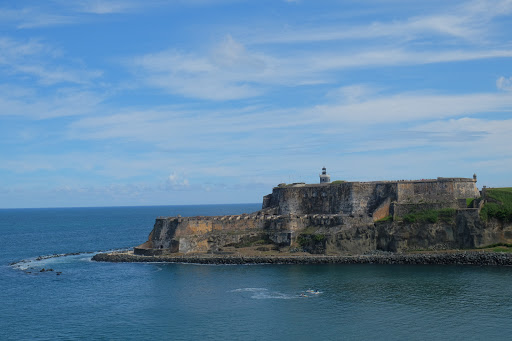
{"type": "Point", "coordinates": [102, 301]}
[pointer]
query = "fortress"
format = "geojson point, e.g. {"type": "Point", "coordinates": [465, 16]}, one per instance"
{"type": "Point", "coordinates": [352, 217]}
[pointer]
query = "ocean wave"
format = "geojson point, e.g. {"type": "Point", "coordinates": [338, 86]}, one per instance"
{"type": "Point", "coordinates": [36, 264]}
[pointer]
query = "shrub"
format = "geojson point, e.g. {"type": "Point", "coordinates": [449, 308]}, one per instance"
{"type": "Point", "coordinates": [318, 237]}
{"type": "Point", "coordinates": [410, 218]}
{"type": "Point", "coordinates": [447, 215]}
{"type": "Point", "coordinates": [305, 239]}
{"type": "Point", "coordinates": [502, 209]}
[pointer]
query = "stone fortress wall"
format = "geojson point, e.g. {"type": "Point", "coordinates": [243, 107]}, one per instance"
{"type": "Point", "coordinates": [377, 199]}
{"type": "Point", "coordinates": [331, 207]}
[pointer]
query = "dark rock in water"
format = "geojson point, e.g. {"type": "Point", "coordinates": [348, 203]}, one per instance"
{"type": "Point", "coordinates": [46, 270]}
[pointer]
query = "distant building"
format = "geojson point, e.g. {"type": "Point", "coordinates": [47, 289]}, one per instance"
{"type": "Point", "coordinates": [324, 177]}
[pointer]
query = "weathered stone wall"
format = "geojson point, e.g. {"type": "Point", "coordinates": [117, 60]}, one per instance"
{"type": "Point", "coordinates": [350, 198]}
{"type": "Point", "coordinates": [185, 234]}
{"type": "Point", "coordinates": [400, 210]}
{"type": "Point", "coordinates": [339, 233]}
{"type": "Point", "coordinates": [439, 190]}
{"type": "Point", "coordinates": [364, 198]}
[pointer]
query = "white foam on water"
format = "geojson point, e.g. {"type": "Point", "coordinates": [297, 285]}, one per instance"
{"type": "Point", "coordinates": [249, 290]}
{"type": "Point", "coordinates": [272, 295]}
{"type": "Point", "coordinates": [263, 293]}
{"type": "Point", "coordinates": [50, 261]}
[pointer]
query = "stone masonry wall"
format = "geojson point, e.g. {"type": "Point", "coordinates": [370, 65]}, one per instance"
{"type": "Point", "coordinates": [439, 190]}
{"type": "Point", "coordinates": [350, 198]}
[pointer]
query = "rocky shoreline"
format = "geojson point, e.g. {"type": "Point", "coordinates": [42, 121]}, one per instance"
{"type": "Point", "coordinates": [440, 258]}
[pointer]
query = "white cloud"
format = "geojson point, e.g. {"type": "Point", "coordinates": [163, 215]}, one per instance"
{"type": "Point", "coordinates": [226, 73]}
{"type": "Point", "coordinates": [232, 55]}
{"type": "Point", "coordinates": [504, 83]}
{"type": "Point", "coordinates": [41, 61]}
{"type": "Point", "coordinates": [177, 180]}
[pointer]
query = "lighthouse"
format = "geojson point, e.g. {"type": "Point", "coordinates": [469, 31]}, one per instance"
{"type": "Point", "coordinates": [324, 177]}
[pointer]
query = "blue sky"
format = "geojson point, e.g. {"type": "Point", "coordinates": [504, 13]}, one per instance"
{"type": "Point", "coordinates": [106, 103]}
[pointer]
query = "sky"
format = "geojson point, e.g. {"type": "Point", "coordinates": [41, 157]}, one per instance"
{"type": "Point", "coordinates": [131, 102]}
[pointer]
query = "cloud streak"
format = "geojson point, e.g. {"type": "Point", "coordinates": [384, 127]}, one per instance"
{"type": "Point", "coordinates": [35, 59]}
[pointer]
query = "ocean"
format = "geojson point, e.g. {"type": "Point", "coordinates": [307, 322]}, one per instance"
{"type": "Point", "coordinates": [126, 301]}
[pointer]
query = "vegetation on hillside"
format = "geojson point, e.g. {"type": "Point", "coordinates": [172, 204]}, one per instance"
{"type": "Point", "coordinates": [502, 208]}
{"type": "Point", "coordinates": [446, 215]}
{"type": "Point", "coordinates": [387, 218]}
{"type": "Point", "coordinates": [337, 182]}
{"type": "Point", "coordinates": [305, 239]}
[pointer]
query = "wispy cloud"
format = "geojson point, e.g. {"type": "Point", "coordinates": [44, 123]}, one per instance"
{"type": "Point", "coordinates": [226, 72]}
{"type": "Point", "coordinates": [28, 102]}
{"type": "Point", "coordinates": [231, 71]}
{"type": "Point", "coordinates": [36, 59]}
{"type": "Point", "coordinates": [469, 21]}
{"type": "Point", "coordinates": [407, 107]}
{"type": "Point", "coordinates": [108, 6]}
{"type": "Point", "coordinates": [352, 113]}
{"type": "Point", "coordinates": [33, 17]}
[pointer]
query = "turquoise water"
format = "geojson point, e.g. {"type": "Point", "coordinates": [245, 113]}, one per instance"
{"type": "Point", "coordinates": [102, 301]}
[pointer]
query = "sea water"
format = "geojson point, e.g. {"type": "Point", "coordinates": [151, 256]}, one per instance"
{"type": "Point", "coordinates": [105, 301]}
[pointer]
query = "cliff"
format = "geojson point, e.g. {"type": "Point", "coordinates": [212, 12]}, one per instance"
{"type": "Point", "coordinates": [349, 217]}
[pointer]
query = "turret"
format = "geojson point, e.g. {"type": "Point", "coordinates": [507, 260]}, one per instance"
{"type": "Point", "coordinates": [324, 177]}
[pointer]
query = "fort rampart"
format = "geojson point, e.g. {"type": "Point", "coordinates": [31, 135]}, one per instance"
{"type": "Point", "coordinates": [346, 210]}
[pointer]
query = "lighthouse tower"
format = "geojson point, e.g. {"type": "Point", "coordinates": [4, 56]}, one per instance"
{"type": "Point", "coordinates": [324, 177]}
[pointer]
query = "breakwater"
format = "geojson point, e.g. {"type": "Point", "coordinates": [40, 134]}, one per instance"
{"type": "Point", "coordinates": [443, 258]}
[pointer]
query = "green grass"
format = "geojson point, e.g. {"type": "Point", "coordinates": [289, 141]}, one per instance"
{"type": "Point", "coordinates": [388, 218]}
{"type": "Point", "coordinates": [499, 247]}
{"type": "Point", "coordinates": [502, 209]}
{"type": "Point", "coordinates": [337, 182]}
{"type": "Point", "coordinates": [446, 215]}
{"type": "Point", "coordinates": [469, 202]}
